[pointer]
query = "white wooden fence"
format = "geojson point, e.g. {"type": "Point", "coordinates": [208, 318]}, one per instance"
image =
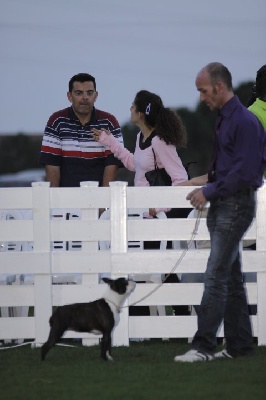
{"type": "Point", "coordinates": [36, 259]}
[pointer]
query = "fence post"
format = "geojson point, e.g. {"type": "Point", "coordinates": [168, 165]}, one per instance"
{"type": "Point", "coordinates": [119, 245]}
{"type": "Point", "coordinates": [89, 214]}
{"type": "Point", "coordinates": [261, 276]}
{"type": "Point", "coordinates": [42, 244]}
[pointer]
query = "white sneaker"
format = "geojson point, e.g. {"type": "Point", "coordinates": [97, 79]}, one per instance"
{"type": "Point", "coordinates": [192, 356]}
{"type": "Point", "coordinates": [222, 354]}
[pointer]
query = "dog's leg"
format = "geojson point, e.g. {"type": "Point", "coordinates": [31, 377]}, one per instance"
{"type": "Point", "coordinates": [106, 347]}
{"type": "Point", "coordinates": [44, 350]}
{"type": "Point", "coordinates": [54, 336]}
{"type": "Point", "coordinates": [108, 352]}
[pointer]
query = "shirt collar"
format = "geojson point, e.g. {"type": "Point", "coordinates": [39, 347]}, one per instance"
{"type": "Point", "coordinates": [229, 107]}
{"type": "Point", "coordinates": [73, 116]}
{"type": "Point", "coordinates": [147, 143]}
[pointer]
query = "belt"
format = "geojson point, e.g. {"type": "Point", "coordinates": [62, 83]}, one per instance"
{"type": "Point", "coordinates": [247, 190]}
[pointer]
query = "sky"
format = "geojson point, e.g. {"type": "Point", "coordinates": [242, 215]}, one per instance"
{"type": "Point", "coordinates": [127, 45]}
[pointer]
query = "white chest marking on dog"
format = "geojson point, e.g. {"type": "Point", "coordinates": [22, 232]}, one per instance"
{"type": "Point", "coordinates": [114, 310]}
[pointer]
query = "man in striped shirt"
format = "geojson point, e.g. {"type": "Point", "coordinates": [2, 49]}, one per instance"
{"type": "Point", "coordinates": [69, 152]}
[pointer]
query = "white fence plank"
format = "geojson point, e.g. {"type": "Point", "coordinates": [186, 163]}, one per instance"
{"type": "Point", "coordinates": [37, 259]}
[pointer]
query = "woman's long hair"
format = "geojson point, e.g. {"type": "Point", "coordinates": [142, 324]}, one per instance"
{"type": "Point", "coordinates": [167, 123]}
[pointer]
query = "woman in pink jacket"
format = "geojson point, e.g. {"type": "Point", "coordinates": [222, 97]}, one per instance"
{"type": "Point", "coordinates": [161, 131]}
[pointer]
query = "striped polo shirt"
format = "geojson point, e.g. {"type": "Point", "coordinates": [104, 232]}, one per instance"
{"type": "Point", "coordinates": [69, 144]}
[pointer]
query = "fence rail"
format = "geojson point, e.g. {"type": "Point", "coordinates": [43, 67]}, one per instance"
{"type": "Point", "coordinates": [51, 234]}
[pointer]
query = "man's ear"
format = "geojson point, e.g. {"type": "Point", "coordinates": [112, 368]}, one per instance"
{"type": "Point", "coordinates": [220, 87]}
{"type": "Point", "coordinates": [69, 96]}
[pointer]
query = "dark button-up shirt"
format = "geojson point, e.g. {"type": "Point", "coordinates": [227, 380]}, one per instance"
{"type": "Point", "coordinates": [240, 155]}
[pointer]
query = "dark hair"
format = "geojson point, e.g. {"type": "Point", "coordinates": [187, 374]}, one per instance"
{"type": "Point", "coordinates": [219, 73]}
{"type": "Point", "coordinates": [167, 123]}
{"type": "Point", "coordinates": [82, 77]}
{"type": "Point", "coordinates": [259, 89]}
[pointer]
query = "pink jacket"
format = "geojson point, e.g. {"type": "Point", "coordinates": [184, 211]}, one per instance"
{"type": "Point", "coordinates": [143, 160]}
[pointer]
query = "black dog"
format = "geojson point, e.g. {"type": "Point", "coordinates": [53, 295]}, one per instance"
{"type": "Point", "coordinates": [98, 317]}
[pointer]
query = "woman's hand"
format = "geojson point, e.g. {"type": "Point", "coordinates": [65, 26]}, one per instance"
{"type": "Point", "coordinates": [196, 181]}
{"type": "Point", "coordinates": [96, 133]}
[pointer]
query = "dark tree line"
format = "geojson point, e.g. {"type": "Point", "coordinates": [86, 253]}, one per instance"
{"type": "Point", "coordinates": [20, 152]}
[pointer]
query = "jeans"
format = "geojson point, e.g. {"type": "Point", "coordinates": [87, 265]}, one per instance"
{"type": "Point", "coordinates": [224, 296]}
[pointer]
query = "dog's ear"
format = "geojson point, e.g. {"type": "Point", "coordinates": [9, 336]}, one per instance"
{"type": "Point", "coordinates": [107, 280]}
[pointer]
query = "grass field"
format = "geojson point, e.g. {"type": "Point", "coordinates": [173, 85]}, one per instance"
{"type": "Point", "coordinates": [145, 370]}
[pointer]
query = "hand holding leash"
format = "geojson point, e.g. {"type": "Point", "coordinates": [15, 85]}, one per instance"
{"type": "Point", "coordinates": [197, 199]}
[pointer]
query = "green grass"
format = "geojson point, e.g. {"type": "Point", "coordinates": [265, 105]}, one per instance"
{"type": "Point", "coordinates": [142, 371]}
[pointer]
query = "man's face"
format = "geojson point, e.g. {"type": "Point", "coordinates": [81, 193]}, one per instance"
{"type": "Point", "coordinates": [82, 98]}
{"type": "Point", "coordinates": [209, 93]}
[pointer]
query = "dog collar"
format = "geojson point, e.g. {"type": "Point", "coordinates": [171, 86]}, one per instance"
{"type": "Point", "coordinates": [118, 309]}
